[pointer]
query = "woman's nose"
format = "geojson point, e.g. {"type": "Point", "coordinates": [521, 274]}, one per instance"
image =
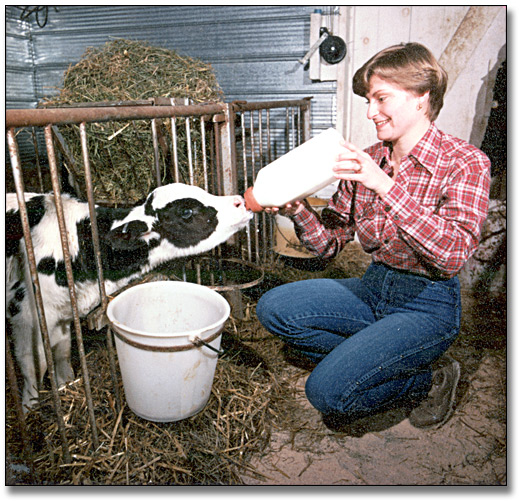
{"type": "Point", "coordinates": [371, 111]}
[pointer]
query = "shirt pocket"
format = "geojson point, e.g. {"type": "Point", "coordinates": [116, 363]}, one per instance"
{"type": "Point", "coordinates": [365, 212]}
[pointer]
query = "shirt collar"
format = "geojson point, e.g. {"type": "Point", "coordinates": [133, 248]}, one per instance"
{"type": "Point", "coordinates": [426, 151]}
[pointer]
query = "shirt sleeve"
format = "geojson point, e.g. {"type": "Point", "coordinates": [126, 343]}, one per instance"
{"type": "Point", "coordinates": [445, 236]}
{"type": "Point", "coordinates": [325, 235]}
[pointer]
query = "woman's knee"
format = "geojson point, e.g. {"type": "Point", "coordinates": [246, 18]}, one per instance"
{"type": "Point", "coordinates": [324, 394]}
{"type": "Point", "coordinates": [269, 306]}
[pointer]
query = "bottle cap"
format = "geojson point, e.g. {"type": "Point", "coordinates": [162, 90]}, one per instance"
{"type": "Point", "coordinates": [251, 202]}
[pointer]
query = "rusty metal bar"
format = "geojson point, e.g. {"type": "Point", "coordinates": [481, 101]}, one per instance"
{"type": "Point", "coordinates": [291, 131]}
{"type": "Point", "coordinates": [264, 105]}
{"type": "Point", "coordinates": [70, 278]}
{"type": "Point", "coordinates": [74, 115]}
{"type": "Point", "coordinates": [217, 156]}
{"type": "Point", "coordinates": [61, 116]}
{"type": "Point", "coordinates": [245, 184]}
{"type": "Point", "coordinates": [15, 391]}
{"type": "Point", "coordinates": [204, 151]}
{"type": "Point", "coordinates": [260, 146]}
{"type": "Point", "coordinates": [97, 257]}
{"type": "Point", "coordinates": [253, 169]}
{"type": "Point", "coordinates": [175, 150]}
{"type": "Point", "coordinates": [19, 185]}
{"type": "Point", "coordinates": [189, 150]}
{"type": "Point", "coordinates": [307, 122]}
{"type": "Point", "coordinates": [175, 166]}
{"type": "Point", "coordinates": [37, 158]}
{"type": "Point", "coordinates": [270, 223]}
{"type": "Point", "coordinates": [228, 151]}
{"type": "Point", "coordinates": [155, 147]}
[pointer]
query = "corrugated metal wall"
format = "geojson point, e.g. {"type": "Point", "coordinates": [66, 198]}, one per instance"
{"type": "Point", "coordinates": [253, 50]}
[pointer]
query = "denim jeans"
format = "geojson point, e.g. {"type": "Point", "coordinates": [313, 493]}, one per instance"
{"type": "Point", "coordinates": [373, 338]}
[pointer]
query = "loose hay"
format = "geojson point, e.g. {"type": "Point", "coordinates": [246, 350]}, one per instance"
{"type": "Point", "coordinates": [122, 153]}
{"type": "Point", "coordinates": [254, 395]}
{"type": "Point", "coordinates": [248, 400]}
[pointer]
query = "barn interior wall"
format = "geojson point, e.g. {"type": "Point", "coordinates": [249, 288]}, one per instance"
{"type": "Point", "coordinates": [253, 49]}
{"type": "Point", "coordinates": [482, 46]}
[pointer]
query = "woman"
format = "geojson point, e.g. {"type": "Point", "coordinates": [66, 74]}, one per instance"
{"type": "Point", "coordinates": [417, 200]}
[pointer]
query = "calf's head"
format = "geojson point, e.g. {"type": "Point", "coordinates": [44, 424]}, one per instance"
{"type": "Point", "coordinates": [186, 219]}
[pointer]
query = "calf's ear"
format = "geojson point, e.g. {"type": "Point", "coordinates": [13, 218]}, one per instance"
{"type": "Point", "coordinates": [127, 236]}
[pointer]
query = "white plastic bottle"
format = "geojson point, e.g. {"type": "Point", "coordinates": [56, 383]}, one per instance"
{"type": "Point", "coordinates": [297, 174]}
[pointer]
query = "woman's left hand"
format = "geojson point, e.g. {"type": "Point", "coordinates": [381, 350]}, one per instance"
{"type": "Point", "coordinates": [356, 165]}
{"type": "Point", "coordinates": [290, 209]}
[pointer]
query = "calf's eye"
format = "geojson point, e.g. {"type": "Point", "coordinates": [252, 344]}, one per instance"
{"type": "Point", "coordinates": [187, 213]}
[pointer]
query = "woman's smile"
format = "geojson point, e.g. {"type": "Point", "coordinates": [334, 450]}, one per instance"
{"type": "Point", "coordinates": [396, 113]}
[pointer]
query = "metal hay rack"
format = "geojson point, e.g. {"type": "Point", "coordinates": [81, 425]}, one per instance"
{"type": "Point", "coordinates": [239, 138]}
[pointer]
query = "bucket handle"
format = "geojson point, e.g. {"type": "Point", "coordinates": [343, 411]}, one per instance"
{"type": "Point", "coordinates": [195, 341]}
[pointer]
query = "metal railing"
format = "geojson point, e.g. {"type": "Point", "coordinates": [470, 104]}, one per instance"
{"type": "Point", "coordinates": [245, 137]}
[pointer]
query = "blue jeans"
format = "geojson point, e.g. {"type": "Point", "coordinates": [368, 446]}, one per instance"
{"type": "Point", "coordinates": [373, 338]}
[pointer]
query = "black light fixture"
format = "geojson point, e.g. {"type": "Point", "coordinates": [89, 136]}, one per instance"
{"type": "Point", "coordinates": [333, 49]}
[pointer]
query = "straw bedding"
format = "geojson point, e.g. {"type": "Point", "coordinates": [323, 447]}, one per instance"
{"type": "Point", "coordinates": [253, 395]}
{"type": "Point", "coordinates": [249, 399]}
{"type": "Point", "coordinates": [122, 153]}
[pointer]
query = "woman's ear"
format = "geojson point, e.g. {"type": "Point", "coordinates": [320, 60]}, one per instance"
{"type": "Point", "coordinates": [423, 100]}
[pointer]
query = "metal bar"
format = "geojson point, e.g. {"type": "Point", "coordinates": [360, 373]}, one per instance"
{"type": "Point", "coordinates": [97, 257]}
{"type": "Point", "coordinates": [15, 391]}
{"type": "Point", "coordinates": [37, 158]}
{"type": "Point", "coordinates": [61, 116]}
{"type": "Point", "coordinates": [19, 185]}
{"type": "Point", "coordinates": [263, 105]}
{"type": "Point", "coordinates": [156, 151]}
{"type": "Point", "coordinates": [217, 157]}
{"type": "Point", "coordinates": [189, 150]}
{"type": "Point", "coordinates": [213, 161]}
{"type": "Point", "coordinates": [292, 120]}
{"type": "Point", "coordinates": [245, 185]}
{"type": "Point", "coordinates": [70, 163]}
{"type": "Point", "coordinates": [204, 152]}
{"type": "Point", "coordinates": [71, 115]}
{"type": "Point", "coordinates": [175, 160]}
{"type": "Point", "coordinates": [253, 167]}
{"type": "Point", "coordinates": [307, 121]}
{"type": "Point", "coordinates": [269, 244]}
{"type": "Point", "coordinates": [264, 217]}
{"type": "Point", "coordinates": [268, 138]}
{"type": "Point", "coordinates": [70, 278]}
{"type": "Point", "coordinates": [287, 131]}
{"type": "Point", "coordinates": [228, 152]}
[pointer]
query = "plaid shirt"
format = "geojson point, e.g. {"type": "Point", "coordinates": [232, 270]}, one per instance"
{"type": "Point", "coordinates": [428, 223]}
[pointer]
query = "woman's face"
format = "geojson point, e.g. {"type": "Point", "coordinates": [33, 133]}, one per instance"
{"type": "Point", "coordinates": [395, 112]}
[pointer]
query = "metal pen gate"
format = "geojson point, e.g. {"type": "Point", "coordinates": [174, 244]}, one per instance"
{"type": "Point", "coordinates": [243, 137]}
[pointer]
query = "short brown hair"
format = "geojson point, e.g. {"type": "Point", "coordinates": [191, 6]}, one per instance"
{"type": "Point", "coordinates": [412, 67]}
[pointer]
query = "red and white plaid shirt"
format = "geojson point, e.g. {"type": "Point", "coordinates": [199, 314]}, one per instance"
{"type": "Point", "coordinates": [429, 222]}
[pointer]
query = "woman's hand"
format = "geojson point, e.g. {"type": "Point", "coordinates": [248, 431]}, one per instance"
{"type": "Point", "coordinates": [356, 165]}
{"type": "Point", "coordinates": [288, 210]}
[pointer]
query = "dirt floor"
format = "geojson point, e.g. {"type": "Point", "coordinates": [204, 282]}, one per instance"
{"type": "Point", "coordinates": [470, 449]}
{"type": "Point", "coordinates": [259, 429]}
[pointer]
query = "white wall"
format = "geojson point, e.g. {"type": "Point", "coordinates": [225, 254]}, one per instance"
{"type": "Point", "coordinates": [370, 29]}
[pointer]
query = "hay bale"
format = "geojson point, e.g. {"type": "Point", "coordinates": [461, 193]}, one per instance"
{"type": "Point", "coordinates": [122, 153]}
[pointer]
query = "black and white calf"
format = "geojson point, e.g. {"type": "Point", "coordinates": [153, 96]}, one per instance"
{"type": "Point", "coordinates": [175, 220]}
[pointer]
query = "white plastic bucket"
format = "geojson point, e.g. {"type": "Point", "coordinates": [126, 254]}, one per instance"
{"type": "Point", "coordinates": [158, 327]}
